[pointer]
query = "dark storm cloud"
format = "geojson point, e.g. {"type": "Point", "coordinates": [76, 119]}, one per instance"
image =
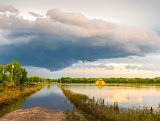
{"type": "Point", "coordinates": [59, 39]}
{"type": "Point", "coordinates": [56, 55]}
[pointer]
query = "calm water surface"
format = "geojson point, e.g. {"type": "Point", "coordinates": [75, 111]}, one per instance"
{"type": "Point", "coordinates": [126, 95]}
{"type": "Point", "coordinates": [50, 97]}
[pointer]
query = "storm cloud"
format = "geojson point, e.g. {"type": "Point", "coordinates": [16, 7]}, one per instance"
{"type": "Point", "coordinates": [59, 39]}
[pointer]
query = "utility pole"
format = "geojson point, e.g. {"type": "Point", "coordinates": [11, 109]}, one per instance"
{"type": "Point", "coordinates": [12, 73]}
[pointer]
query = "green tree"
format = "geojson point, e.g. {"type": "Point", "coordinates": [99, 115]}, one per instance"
{"type": "Point", "coordinates": [17, 72]}
{"type": "Point", "coordinates": [7, 74]}
{"type": "Point", "coordinates": [1, 73]}
{"type": "Point", "coordinates": [24, 76]}
{"type": "Point", "coordinates": [14, 73]}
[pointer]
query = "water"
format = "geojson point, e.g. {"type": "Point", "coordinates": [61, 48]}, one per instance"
{"type": "Point", "coordinates": [127, 95]}
{"type": "Point", "coordinates": [50, 97]}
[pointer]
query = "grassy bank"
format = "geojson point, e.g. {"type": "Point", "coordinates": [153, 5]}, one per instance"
{"type": "Point", "coordinates": [11, 97]}
{"type": "Point", "coordinates": [95, 110]}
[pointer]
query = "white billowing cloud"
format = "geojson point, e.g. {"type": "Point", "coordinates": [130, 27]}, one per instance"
{"type": "Point", "coordinates": [143, 13]}
{"type": "Point", "coordinates": [68, 18]}
{"type": "Point", "coordinates": [104, 33]}
{"type": "Point", "coordinates": [4, 21]}
{"type": "Point", "coordinates": [4, 8]}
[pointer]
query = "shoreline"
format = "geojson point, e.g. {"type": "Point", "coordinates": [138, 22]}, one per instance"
{"type": "Point", "coordinates": [12, 96]}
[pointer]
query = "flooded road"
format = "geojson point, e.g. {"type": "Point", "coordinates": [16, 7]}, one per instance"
{"type": "Point", "coordinates": [50, 97]}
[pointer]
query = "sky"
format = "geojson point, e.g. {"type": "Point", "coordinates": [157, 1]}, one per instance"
{"type": "Point", "coordinates": [100, 38]}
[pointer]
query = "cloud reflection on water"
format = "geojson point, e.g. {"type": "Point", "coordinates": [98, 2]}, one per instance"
{"type": "Point", "coordinates": [126, 96]}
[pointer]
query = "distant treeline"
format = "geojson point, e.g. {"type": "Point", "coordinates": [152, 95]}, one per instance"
{"type": "Point", "coordinates": [155, 80]}
{"type": "Point", "coordinates": [37, 79]}
{"type": "Point", "coordinates": [13, 74]}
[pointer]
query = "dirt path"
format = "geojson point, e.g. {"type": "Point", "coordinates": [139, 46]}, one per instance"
{"type": "Point", "coordinates": [34, 114]}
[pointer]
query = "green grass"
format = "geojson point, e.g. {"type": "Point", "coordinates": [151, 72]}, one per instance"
{"type": "Point", "coordinates": [95, 110]}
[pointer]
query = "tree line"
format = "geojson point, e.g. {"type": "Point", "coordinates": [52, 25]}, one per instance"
{"type": "Point", "coordinates": [155, 80]}
{"type": "Point", "coordinates": [12, 74]}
